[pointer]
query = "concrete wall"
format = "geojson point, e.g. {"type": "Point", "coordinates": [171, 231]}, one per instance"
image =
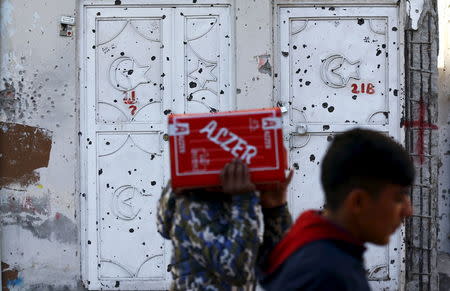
{"type": "Point", "coordinates": [38, 133]}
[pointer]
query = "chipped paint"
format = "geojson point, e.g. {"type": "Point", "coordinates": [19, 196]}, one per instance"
{"type": "Point", "coordinates": [264, 66]}
{"type": "Point", "coordinates": [6, 13]}
{"type": "Point", "coordinates": [10, 277]}
{"type": "Point", "coordinates": [24, 149]}
{"type": "Point", "coordinates": [414, 10]}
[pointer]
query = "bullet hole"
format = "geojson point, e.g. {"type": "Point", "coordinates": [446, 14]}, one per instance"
{"type": "Point", "coordinates": [98, 13]}
{"type": "Point", "coordinates": [331, 9]}
{"type": "Point", "coordinates": [295, 165]}
{"type": "Point", "coordinates": [117, 2]}
{"type": "Point", "coordinates": [131, 230]}
{"type": "Point", "coordinates": [100, 171]}
{"type": "Point", "coordinates": [304, 108]}
{"type": "Point", "coordinates": [383, 45]}
{"type": "Point", "coordinates": [326, 127]}
{"type": "Point", "coordinates": [378, 52]}
{"type": "Point", "coordinates": [107, 185]}
{"type": "Point", "coordinates": [392, 261]}
{"type": "Point", "coordinates": [153, 183]}
{"type": "Point", "coordinates": [117, 282]}
{"type": "Point", "coordinates": [115, 100]}
{"type": "Point", "coordinates": [331, 109]}
{"type": "Point", "coordinates": [164, 16]}
{"type": "Point", "coordinates": [122, 53]}
{"type": "Point", "coordinates": [308, 56]}
{"type": "Point", "coordinates": [200, 70]}
{"type": "Point", "coordinates": [143, 243]}
{"type": "Point", "coordinates": [378, 66]}
{"type": "Point", "coordinates": [92, 47]}
{"type": "Point", "coordinates": [329, 138]}
{"type": "Point", "coordinates": [387, 54]}
{"type": "Point", "coordinates": [93, 31]}
{"type": "Point", "coordinates": [300, 80]}
{"type": "Point", "coordinates": [312, 158]}
{"type": "Point", "coordinates": [304, 46]}
{"type": "Point", "coordinates": [189, 98]}
{"type": "Point", "coordinates": [285, 54]}
{"type": "Point", "coordinates": [213, 110]}
{"type": "Point", "coordinates": [294, 47]}
{"type": "Point", "coordinates": [305, 71]}
{"type": "Point", "coordinates": [325, 105]}
{"type": "Point", "coordinates": [107, 143]}
{"type": "Point", "coordinates": [153, 58]}
{"type": "Point", "coordinates": [130, 72]}
{"type": "Point", "coordinates": [167, 111]}
{"type": "Point", "coordinates": [307, 83]}
{"type": "Point", "coordinates": [83, 195]}
{"type": "Point", "coordinates": [395, 92]}
{"type": "Point", "coordinates": [129, 172]}
{"type": "Point", "coordinates": [360, 21]}
{"type": "Point", "coordinates": [298, 71]}
{"type": "Point", "coordinates": [221, 92]}
{"type": "Point", "coordinates": [163, 75]}
{"type": "Point", "coordinates": [167, 58]}
{"type": "Point", "coordinates": [89, 242]}
{"type": "Point", "coordinates": [192, 84]}
{"type": "Point", "coordinates": [394, 28]}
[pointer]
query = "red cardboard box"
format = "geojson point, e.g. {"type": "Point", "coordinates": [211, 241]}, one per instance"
{"type": "Point", "coordinates": [201, 144]}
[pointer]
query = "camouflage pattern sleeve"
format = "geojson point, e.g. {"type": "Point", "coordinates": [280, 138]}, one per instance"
{"type": "Point", "coordinates": [277, 221]}
{"type": "Point", "coordinates": [166, 211]}
{"type": "Point", "coordinates": [226, 245]}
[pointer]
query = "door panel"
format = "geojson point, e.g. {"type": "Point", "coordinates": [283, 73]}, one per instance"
{"type": "Point", "coordinates": [338, 69]}
{"type": "Point", "coordinates": [141, 64]}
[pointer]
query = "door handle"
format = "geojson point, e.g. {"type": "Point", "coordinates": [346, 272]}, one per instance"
{"type": "Point", "coordinates": [301, 129]}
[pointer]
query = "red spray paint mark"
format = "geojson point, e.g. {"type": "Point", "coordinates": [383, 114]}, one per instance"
{"type": "Point", "coordinates": [421, 125]}
{"type": "Point", "coordinates": [131, 100]}
{"type": "Point", "coordinates": [133, 109]}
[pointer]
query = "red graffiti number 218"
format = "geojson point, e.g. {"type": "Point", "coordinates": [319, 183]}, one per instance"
{"type": "Point", "coordinates": [368, 88]}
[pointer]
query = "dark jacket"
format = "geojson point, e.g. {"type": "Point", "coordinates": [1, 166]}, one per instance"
{"type": "Point", "coordinates": [316, 255]}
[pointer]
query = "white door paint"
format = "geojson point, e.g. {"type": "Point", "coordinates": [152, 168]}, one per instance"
{"type": "Point", "coordinates": [339, 68]}
{"type": "Point", "coordinates": [138, 65]}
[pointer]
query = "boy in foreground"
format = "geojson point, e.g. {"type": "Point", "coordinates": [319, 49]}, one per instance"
{"type": "Point", "coordinates": [365, 176]}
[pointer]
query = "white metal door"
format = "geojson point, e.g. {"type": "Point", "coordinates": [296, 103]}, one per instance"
{"type": "Point", "coordinates": [139, 64]}
{"type": "Point", "coordinates": [339, 68]}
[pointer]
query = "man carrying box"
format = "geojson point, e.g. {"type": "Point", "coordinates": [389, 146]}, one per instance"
{"type": "Point", "coordinates": [216, 232]}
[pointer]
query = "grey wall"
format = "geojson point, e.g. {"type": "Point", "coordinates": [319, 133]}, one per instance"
{"type": "Point", "coordinates": [444, 148]}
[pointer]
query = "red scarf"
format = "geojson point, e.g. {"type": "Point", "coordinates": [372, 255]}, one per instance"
{"type": "Point", "coordinates": [309, 227]}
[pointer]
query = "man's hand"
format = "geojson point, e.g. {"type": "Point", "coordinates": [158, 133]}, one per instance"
{"type": "Point", "coordinates": [236, 178]}
{"type": "Point", "coordinates": [278, 197]}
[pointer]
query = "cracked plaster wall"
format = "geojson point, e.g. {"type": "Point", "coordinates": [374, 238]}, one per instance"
{"type": "Point", "coordinates": [38, 141]}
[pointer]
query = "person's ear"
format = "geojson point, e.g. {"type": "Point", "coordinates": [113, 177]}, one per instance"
{"type": "Point", "coordinates": [357, 201]}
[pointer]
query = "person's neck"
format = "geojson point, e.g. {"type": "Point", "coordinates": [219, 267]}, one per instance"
{"type": "Point", "coordinates": [344, 221]}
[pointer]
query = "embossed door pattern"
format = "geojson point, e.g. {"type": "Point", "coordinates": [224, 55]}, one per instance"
{"type": "Point", "coordinates": [339, 68]}
{"type": "Point", "coordinates": [140, 65]}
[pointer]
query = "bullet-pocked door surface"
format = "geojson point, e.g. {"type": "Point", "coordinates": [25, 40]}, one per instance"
{"type": "Point", "coordinates": [140, 64]}
{"type": "Point", "coordinates": [339, 69]}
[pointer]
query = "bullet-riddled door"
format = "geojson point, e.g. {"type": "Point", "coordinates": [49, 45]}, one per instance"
{"type": "Point", "coordinates": [139, 65]}
{"type": "Point", "coordinates": [339, 68]}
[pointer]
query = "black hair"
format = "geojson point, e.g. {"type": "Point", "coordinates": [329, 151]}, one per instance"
{"type": "Point", "coordinates": [366, 159]}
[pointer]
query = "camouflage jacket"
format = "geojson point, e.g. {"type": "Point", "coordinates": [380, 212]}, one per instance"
{"type": "Point", "coordinates": [217, 240]}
